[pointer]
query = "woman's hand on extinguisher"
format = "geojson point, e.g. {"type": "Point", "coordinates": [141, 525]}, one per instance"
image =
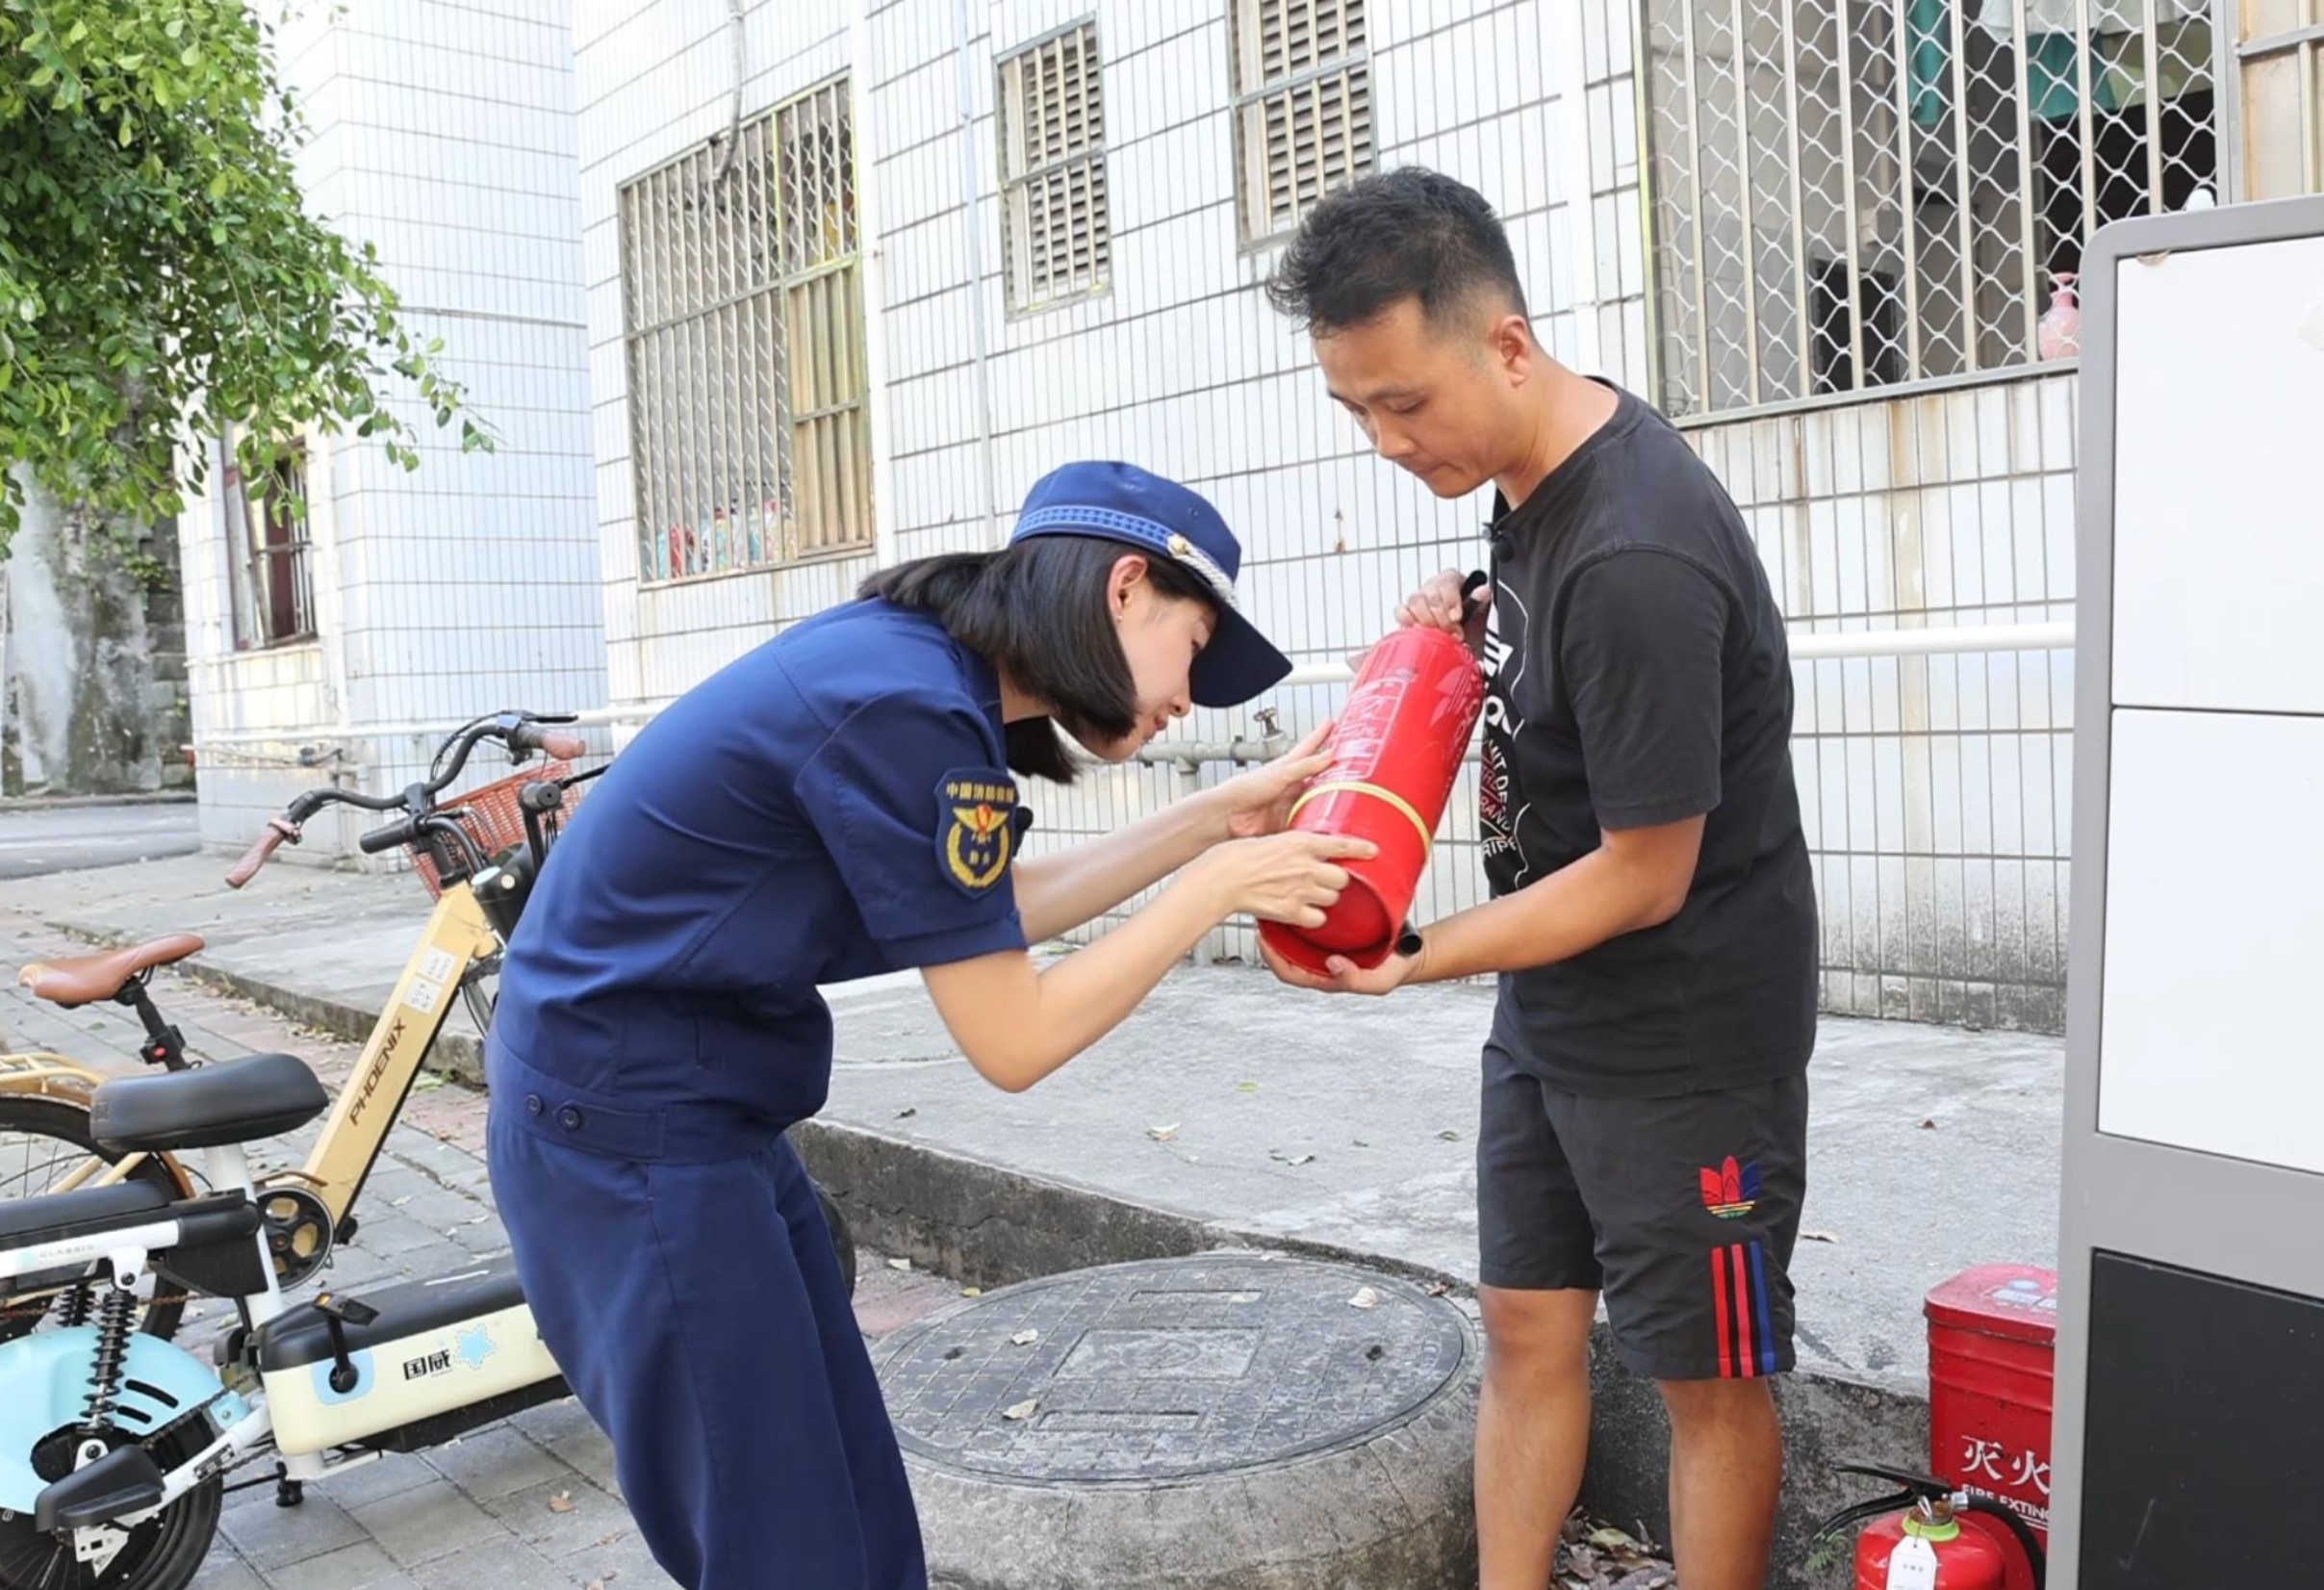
{"type": "Point", "coordinates": [1291, 878]}
{"type": "Point", "coordinates": [1259, 802]}
{"type": "Point", "coordinates": [1345, 976]}
{"type": "Point", "coordinates": [1451, 602]}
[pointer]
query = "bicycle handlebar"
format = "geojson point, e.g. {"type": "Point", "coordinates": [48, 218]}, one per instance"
{"type": "Point", "coordinates": [554, 742]}
{"type": "Point", "coordinates": [280, 831]}
{"type": "Point", "coordinates": [522, 732]}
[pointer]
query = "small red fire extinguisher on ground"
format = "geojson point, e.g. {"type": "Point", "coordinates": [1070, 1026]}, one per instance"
{"type": "Point", "coordinates": [1914, 1539]}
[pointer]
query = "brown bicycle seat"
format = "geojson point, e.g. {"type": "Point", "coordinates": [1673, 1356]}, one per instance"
{"type": "Point", "coordinates": [88, 979]}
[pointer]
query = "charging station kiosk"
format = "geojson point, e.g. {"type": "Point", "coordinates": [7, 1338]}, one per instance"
{"type": "Point", "coordinates": [2189, 1437]}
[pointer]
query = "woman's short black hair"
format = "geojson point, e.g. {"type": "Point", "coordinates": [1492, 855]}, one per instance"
{"type": "Point", "coordinates": [1036, 611]}
{"type": "Point", "coordinates": [1409, 233]}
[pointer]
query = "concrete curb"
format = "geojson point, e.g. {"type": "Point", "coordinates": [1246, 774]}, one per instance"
{"type": "Point", "coordinates": [991, 1226]}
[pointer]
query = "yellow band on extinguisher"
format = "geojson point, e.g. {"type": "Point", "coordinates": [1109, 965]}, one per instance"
{"type": "Point", "coordinates": [1355, 786]}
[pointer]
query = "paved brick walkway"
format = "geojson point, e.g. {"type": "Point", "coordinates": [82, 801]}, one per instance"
{"type": "Point", "coordinates": [526, 1504]}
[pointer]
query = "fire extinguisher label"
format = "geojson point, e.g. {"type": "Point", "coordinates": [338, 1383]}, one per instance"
{"type": "Point", "coordinates": [1914, 1566]}
{"type": "Point", "coordinates": [1363, 727]}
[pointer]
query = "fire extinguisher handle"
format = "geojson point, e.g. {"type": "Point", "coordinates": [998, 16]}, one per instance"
{"type": "Point", "coordinates": [1917, 1484]}
{"type": "Point", "coordinates": [1470, 588]}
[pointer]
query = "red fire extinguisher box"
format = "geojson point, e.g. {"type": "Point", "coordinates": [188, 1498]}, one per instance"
{"type": "Point", "coordinates": [1992, 1356]}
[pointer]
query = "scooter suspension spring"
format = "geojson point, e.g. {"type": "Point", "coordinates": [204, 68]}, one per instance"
{"type": "Point", "coordinates": [115, 1323]}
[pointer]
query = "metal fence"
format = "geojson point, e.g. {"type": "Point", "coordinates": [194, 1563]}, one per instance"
{"type": "Point", "coordinates": [1848, 195]}
{"type": "Point", "coordinates": [745, 338]}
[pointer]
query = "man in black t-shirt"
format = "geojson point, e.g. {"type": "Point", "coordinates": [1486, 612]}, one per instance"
{"type": "Point", "coordinates": [1652, 921]}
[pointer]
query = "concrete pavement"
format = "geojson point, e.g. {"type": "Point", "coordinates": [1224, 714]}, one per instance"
{"type": "Point", "coordinates": [1232, 1110]}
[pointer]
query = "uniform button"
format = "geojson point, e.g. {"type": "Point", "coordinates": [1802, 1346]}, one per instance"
{"type": "Point", "coordinates": [532, 1104]}
{"type": "Point", "coordinates": [570, 1118]}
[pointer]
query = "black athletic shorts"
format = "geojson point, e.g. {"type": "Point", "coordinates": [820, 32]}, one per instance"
{"type": "Point", "coordinates": [1682, 1211]}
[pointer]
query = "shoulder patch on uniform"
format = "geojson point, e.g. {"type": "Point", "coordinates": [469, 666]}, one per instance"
{"type": "Point", "coordinates": [977, 833]}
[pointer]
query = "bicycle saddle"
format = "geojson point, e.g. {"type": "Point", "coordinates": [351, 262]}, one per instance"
{"type": "Point", "coordinates": [233, 1101]}
{"type": "Point", "coordinates": [88, 979]}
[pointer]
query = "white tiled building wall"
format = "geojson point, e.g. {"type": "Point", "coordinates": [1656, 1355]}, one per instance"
{"type": "Point", "coordinates": [1934, 790]}
{"type": "Point", "coordinates": [442, 132]}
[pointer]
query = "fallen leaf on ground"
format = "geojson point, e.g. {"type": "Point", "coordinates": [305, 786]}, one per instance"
{"type": "Point", "coordinates": [398, 1203]}
{"type": "Point", "coordinates": [1024, 1338]}
{"type": "Point", "coordinates": [1022, 1410]}
{"type": "Point", "coordinates": [1246, 1088]}
{"type": "Point", "coordinates": [1282, 1158]}
{"type": "Point", "coordinates": [1450, 1137]}
{"type": "Point", "coordinates": [1817, 1236]}
{"type": "Point", "coordinates": [1365, 1298]}
{"type": "Point", "coordinates": [898, 1263]}
{"type": "Point", "coordinates": [972, 1292]}
{"type": "Point", "coordinates": [907, 1115]}
{"type": "Point", "coordinates": [1438, 1289]}
{"type": "Point", "coordinates": [1929, 1126]}
{"type": "Point", "coordinates": [1162, 1133]}
{"type": "Point", "coordinates": [561, 1502]}
{"type": "Point", "coordinates": [607, 1540]}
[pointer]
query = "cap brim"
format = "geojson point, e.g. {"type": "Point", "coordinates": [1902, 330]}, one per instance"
{"type": "Point", "coordinates": [1238, 664]}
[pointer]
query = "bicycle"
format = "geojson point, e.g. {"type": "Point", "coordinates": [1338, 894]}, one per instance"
{"type": "Point", "coordinates": [115, 1442]}
{"type": "Point", "coordinates": [478, 858]}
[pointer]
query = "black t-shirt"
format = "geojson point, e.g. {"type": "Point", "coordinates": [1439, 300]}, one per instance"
{"type": "Point", "coordinates": [1640, 676]}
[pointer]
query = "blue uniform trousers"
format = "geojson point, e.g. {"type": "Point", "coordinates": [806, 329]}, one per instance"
{"type": "Point", "coordinates": [683, 1275]}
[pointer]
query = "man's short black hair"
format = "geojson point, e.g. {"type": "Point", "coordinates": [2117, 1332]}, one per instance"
{"type": "Point", "coordinates": [1036, 611]}
{"type": "Point", "coordinates": [1410, 233]}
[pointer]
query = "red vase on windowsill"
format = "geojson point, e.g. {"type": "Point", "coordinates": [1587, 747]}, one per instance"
{"type": "Point", "coordinates": [2058, 335]}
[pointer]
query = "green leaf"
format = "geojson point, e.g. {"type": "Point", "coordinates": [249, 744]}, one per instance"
{"type": "Point", "coordinates": [129, 63]}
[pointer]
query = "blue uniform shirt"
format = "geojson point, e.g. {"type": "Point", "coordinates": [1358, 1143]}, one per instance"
{"type": "Point", "coordinates": [833, 804]}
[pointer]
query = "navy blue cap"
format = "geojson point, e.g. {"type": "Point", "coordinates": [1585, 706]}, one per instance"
{"type": "Point", "coordinates": [1162, 518]}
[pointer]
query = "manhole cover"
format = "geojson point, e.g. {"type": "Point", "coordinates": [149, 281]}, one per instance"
{"type": "Point", "coordinates": [1168, 1369]}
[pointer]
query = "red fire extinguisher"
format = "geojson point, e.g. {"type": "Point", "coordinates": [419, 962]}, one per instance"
{"type": "Point", "coordinates": [1923, 1547]}
{"type": "Point", "coordinates": [1397, 753]}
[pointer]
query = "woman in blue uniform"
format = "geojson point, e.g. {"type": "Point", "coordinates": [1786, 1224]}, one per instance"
{"type": "Point", "coordinates": [841, 801]}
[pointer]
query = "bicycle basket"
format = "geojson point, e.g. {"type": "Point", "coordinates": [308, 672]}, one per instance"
{"type": "Point", "coordinates": [494, 820]}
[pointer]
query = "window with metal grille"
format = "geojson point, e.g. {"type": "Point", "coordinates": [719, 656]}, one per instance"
{"type": "Point", "coordinates": [1056, 240]}
{"type": "Point", "coordinates": [1850, 194]}
{"type": "Point", "coordinates": [1303, 107]}
{"type": "Point", "coordinates": [748, 437]}
{"type": "Point", "coordinates": [2280, 59]}
{"type": "Point", "coordinates": [277, 568]}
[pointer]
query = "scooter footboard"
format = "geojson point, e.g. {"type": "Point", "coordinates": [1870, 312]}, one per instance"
{"type": "Point", "coordinates": [428, 1350]}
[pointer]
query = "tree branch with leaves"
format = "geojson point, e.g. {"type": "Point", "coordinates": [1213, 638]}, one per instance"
{"type": "Point", "coordinates": [160, 275]}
